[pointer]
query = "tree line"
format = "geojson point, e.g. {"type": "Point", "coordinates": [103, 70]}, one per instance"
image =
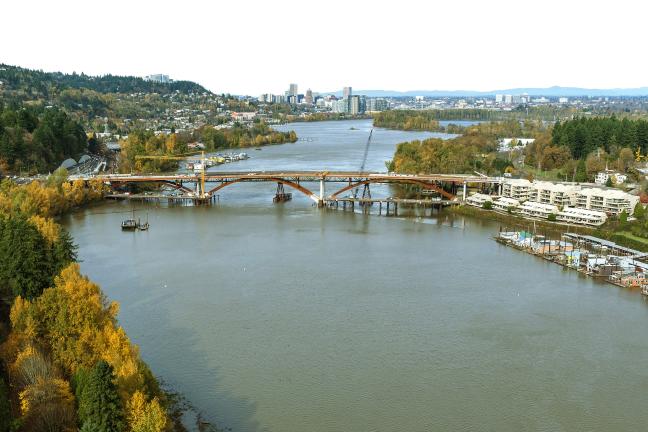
{"type": "Point", "coordinates": [585, 135]}
{"type": "Point", "coordinates": [147, 143]}
{"type": "Point", "coordinates": [33, 82]}
{"type": "Point", "coordinates": [65, 363]}
{"type": "Point", "coordinates": [38, 139]}
{"type": "Point", "coordinates": [475, 150]}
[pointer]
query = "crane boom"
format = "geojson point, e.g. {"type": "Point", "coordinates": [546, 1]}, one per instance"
{"type": "Point", "coordinates": [366, 152]}
{"type": "Point", "coordinates": [364, 160]}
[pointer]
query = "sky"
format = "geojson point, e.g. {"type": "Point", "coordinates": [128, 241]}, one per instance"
{"type": "Point", "coordinates": [261, 46]}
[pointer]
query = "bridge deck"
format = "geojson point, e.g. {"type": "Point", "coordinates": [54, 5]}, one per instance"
{"type": "Point", "coordinates": [327, 176]}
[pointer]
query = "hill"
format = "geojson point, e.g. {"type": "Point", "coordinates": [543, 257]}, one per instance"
{"type": "Point", "coordinates": [554, 91]}
{"type": "Point", "coordinates": [32, 82]}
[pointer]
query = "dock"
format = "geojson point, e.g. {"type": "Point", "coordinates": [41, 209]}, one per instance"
{"type": "Point", "coordinates": [389, 204]}
{"type": "Point", "coordinates": [591, 256]}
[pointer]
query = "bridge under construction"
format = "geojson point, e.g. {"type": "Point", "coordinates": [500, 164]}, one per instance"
{"type": "Point", "coordinates": [204, 188]}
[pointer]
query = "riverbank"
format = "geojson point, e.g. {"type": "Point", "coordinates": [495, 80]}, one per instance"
{"type": "Point", "coordinates": [542, 226]}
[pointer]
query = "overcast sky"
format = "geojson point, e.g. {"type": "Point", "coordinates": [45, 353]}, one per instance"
{"type": "Point", "coordinates": [260, 46]}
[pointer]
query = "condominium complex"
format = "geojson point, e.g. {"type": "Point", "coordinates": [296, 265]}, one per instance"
{"type": "Point", "coordinates": [581, 216]}
{"type": "Point", "coordinates": [519, 189]}
{"type": "Point", "coordinates": [610, 201]}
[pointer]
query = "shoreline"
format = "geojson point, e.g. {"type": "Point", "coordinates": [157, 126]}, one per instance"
{"type": "Point", "coordinates": [515, 221]}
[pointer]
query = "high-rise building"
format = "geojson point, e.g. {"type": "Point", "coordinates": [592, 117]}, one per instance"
{"type": "Point", "coordinates": [377, 104]}
{"type": "Point", "coordinates": [309, 97]}
{"type": "Point", "coordinates": [499, 98]}
{"type": "Point", "coordinates": [346, 92]}
{"type": "Point", "coordinates": [158, 78]}
{"type": "Point", "coordinates": [293, 90]}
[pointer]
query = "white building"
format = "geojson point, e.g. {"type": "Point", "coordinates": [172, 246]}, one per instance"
{"type": "Point", "coordinates": [519, 189]}
{"type": "Point", "coordinates": [536, 209]}
{"type": "Point", "coordinates": [504, 203]}
{"type": "Point", "coordinates": [610, 201]}
{"type": "Point", "coordinates": [581, 216]}
{"type": "Point", "coordinates": [558, 194]}
{"type": "Point", "coordinates": [603, 176]}
{"type": "Point", "coordinates": [505, 143]}
{"type": "Point", "coordinates": [478, 199]}
{"type": "Point", "coordinates": [161, 78]}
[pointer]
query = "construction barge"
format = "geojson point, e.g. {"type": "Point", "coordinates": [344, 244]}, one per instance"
{"type": "Point", "coordinates": [591, 256]}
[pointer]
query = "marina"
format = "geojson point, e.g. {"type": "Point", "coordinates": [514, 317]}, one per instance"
{"type": "Point", "coordinates": [592, 256]}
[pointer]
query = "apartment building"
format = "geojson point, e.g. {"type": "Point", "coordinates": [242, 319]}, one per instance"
{"type": "Point", "coordinates": [537, 210]}
{"type": "Point", "coordinates": [581, 216]}
{"type": "Point", "coordinates": [518, 189]}
{"type": "Point", "coordinates": [610, 201]}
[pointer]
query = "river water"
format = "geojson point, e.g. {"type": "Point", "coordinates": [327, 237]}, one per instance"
{"type": "Point", "coordinates": [289, 318]}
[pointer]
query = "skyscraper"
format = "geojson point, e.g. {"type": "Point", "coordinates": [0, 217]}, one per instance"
{"type": "Point", "coordinates": [309, 97]}
{"type": "Point", "coordinates": [346, 92]}
{"type": "Point", "coordinates": [293, 90]}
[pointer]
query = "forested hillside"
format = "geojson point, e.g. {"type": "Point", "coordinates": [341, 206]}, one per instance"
{"type": "Point", "coordinates": [38, 139]}
{"type": "Point", "coordinates": [29, 83]}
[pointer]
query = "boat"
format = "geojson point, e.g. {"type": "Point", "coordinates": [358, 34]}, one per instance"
{"type": "Point", "coordinates": [129, 224]}
{"type": "Point", "coordinates": [258, 148]}
{"type": "Point", "coordinates": [143, 226]}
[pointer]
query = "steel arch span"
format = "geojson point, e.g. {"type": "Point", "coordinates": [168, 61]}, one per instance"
{"type": "Point", "coordinates": [292, 184]}
{"type": "Point", "coordinates": [425, 185]}
{"type": "Point", "coordinates": [170, 183]}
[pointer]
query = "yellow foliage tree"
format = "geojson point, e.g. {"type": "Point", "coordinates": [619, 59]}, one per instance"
{"type": "Point", "coordinates": [78, 325]}
{"type": "Point", "coordinates": [145, 416]}
{"type": "Point", "coordinates": [49, 229]}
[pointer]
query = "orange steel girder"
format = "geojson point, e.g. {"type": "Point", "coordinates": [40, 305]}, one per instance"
{"type": "Point", "coordinates": [293, 185]}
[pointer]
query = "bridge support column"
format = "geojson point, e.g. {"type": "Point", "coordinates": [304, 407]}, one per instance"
{"type": "Point", "coordinates": [321, 194]}
{"type": "Point", "coordinates": [464, 191]}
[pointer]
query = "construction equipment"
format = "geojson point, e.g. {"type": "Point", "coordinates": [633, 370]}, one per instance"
{"type": "Point", "coordinates": [362, 168]}
{"type": "Point", "coordinates": [183, 157]}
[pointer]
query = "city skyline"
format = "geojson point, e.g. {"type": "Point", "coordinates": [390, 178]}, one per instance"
{"type": "Point", "coordinates": [475, 46]}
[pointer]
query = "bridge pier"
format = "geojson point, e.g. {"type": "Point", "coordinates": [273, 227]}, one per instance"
{"type": "Point", "coordinates": [322, 193]}
{"type": "Point", "coordinates": [464, 191]}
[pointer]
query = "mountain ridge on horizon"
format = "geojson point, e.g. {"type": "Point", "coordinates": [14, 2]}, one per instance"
{"type": "Point", "coordinates": [554, 91]}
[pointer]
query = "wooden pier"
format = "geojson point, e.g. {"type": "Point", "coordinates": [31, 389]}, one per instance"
{"type": "Point", "coordinates": [390, 205]}
{"type": "Point", "coordinates": [157, 198]}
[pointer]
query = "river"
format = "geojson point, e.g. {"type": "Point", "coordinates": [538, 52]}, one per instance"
{"type": "Point", "coordinates": [290, 318]}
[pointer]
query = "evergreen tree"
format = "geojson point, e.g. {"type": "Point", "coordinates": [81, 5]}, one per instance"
{"type": "Point", "coordinates": [5, 408]}
{"type": "Point", "coordinates": [29, 261]}
{"type": "Point", "coordinates": [100, 404]}
{"type": "Point", "coordinates": [581, 172]}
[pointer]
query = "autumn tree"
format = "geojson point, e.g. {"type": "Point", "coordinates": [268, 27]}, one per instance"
{"type": "Point", "coordinates": [145, 416]}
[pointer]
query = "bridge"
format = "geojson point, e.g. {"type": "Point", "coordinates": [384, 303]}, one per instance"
{"type": "Point", "coordinates": [203, 187]}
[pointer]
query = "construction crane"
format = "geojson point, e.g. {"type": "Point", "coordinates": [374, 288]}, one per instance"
{"type": "Point", "coordinates": [183, 157]}
{"type": "Point", "coordinates": [364, 162]}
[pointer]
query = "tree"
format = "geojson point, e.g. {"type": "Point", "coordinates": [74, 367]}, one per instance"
{"type": "Point", "coordinates": [639, 211]}
{"type": "Point", "coordinates": [5, 407]}
{"type": "Point", "coordinates": [580, 174]}
{"type": "Point", "coordinates": [144, 416]}
{"type": "Point", "coordinates": [100, 403]}
{"type": "Point", "coordinates": [626, 159]}
{"type": "Point", "coordinates": [623, 218]}
{"type": "Point", "coordinates": [29, 260]}
{"type": "Point", "coordinates": [551, 217]}
{"type": "Point", "coordinates": [609, 182]}
{"type": "Point", "coordinates": [488, 205]}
